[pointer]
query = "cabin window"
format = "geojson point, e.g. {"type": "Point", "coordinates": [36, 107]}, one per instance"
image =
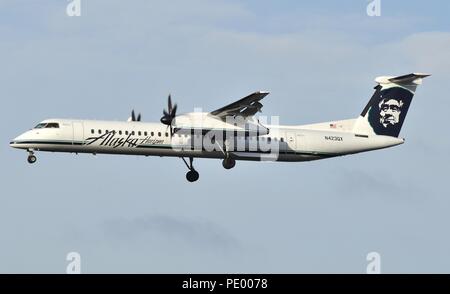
{"type": "Point", "coordinates": [132, 133]}
{"type": "Point", "coordinates": [139, 133]}
{"type": "Point", "coordinates": [99, 131]}
{"type": "Point", "coordinates": [92, 131]}
{"type": "Point", "coordinates": [167, 134]}
{"type": "Point", "coordinates": [106, 131]}
{"type": "Point", "coordinates": [281, 139]}
{"type": "Point", "coordinates": [269, 139]}
{"type": "Point", "coordinates": [159, 134]}
{"type": "Point", "coordinates": [120, 132]}
{"type": "Point", "coordinates": [152, 134]}
{"type": "Point", "coordinates": [126, 133]}
{"type": "Point", "coordinates": [145, 134]}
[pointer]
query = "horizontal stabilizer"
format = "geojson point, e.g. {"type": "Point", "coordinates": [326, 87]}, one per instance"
{"type": "Point", "coordinates": [413, 78]}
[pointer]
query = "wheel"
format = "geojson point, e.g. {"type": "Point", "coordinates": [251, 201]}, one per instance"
{"type": "Point", "coordinates": [32, 159]}
{"type": "Point", "coordinates": [192, 176]}
{"type": "Point", "coordinates": [228, 163]}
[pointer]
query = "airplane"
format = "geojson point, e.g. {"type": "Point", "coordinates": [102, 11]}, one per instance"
{"type": "Point", "coordinates": [233, 132]}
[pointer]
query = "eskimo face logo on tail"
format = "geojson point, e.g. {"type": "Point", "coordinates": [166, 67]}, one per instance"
{"type": "Point", "coordinates": [390, 110]}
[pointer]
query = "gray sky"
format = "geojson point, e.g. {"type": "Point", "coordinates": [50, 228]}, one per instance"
{"type": "Point", "coordinates": [135, 214]}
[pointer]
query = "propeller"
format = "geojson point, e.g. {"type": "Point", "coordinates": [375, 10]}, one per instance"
{"type": "Point", "coordinates": [134, 117]}
{"type": "Point", "coordinates": [169, 114]}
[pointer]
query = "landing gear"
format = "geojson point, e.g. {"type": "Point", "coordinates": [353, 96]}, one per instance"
{"type": "Point", "coordinates": [228, 163]}
{"type": "Point", "coordinates": [192, 175]}
{"type": "Point", "coordinates": [31, 158]}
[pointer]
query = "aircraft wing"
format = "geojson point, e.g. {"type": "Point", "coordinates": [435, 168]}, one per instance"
{"type": "Point", "coordinates": [245, 107]}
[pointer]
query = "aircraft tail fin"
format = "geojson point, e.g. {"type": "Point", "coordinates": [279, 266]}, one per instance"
{"type": "Point", "coordinates": [385, 112]}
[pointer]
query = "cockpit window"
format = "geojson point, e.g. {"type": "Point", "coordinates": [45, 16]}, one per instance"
{"type": "Point", "coordinates": [52, 126]}
{"type": "Point", "coordinates": [40, 125]}
{"type": "Point", "coordinates": [47, 126]}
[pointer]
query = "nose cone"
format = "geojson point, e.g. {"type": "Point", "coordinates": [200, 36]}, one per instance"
{"type": "Point", "coordinates": [15, 142]}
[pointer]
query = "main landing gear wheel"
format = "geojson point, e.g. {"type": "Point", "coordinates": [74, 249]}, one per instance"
{"type": "Point", "coordinates": [31, 158]}
{"type": "Point", "coordinates": [228, 163]}
{"type": "Point", "coordinates": [192, 175]}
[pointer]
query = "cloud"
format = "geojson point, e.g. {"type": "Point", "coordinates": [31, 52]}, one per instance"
{"type": "Point", "coordinates": [199, 234]}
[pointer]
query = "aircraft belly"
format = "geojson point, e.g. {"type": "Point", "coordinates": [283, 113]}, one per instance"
{"type": "Point", "coordinates": [168, 150]}
{"type": "Point", "coordinates": [173, 152]}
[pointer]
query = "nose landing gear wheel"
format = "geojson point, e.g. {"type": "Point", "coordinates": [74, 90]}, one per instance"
{"type": "Point", "coordinates": [31, 159]}
{"type": "Point", "coordinates": [192, 176]}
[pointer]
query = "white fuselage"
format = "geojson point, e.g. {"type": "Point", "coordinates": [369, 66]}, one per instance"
{"type": "Point", "coordinates": [287, 143]}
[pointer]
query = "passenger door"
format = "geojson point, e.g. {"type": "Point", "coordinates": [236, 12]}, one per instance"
{"type": "Point", "coordinates": [78, 133]}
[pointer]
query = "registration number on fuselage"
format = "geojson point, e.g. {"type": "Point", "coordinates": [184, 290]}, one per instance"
{"type": "Point", "coordinates": [334, 138]}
